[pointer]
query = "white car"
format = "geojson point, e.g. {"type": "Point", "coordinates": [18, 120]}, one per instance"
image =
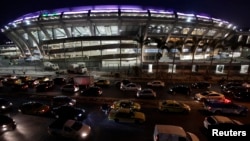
{"type": "Point", "coordinates": [220, 120]}
{"type": "Point", "coordinates": [172, 133]}
{"type": "Point", "coordinates": [156, 83]}
{"type": "Point", "coordinates": [71, 88]}
{"type": "Point", "coordinates": [209, 96]}
{"type": "Point", "coordinates": [131, 87]}
{"type": "Point", "coordinates": [146, 93]}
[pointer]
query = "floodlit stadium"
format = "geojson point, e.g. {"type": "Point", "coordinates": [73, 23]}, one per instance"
{"type": "Point", "coordinates": [111, 36]}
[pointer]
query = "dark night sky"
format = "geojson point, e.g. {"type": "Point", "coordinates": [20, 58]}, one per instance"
{"type": "Point", "coordinates": [233, 11]}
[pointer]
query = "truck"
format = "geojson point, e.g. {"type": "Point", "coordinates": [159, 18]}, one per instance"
{"type": "Point", "coordinates": [83, 81]}
{"type": "Point", "coordinates": [50, 66]}
{"type": "Point", "coordinates": [77, 68]}
{"type": "Point", "coordinates": [70, 129]}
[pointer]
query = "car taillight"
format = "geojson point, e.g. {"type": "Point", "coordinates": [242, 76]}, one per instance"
{"type": "Point", "coordinates": [227, 100]}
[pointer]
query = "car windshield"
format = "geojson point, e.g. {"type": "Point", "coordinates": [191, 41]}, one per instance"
{"type": "Point", "coordinates": [77, 126]}
{"type": "Point", "coordinates": [204, 93]}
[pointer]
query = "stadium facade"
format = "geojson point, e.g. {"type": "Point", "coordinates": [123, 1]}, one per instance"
{"type": "Point", "coordinates": [110, 36]}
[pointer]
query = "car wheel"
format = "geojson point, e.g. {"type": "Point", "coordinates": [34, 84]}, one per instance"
{"type": "Point", "coordinates": [117, 120]}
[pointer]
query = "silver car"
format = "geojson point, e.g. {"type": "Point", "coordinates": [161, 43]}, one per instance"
{"type": "Point", "coordinates": [131, 87]}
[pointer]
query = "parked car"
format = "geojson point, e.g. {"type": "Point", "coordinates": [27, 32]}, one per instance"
{"type": "Point", "coordinates": [69, 112]}
{"type": "Point", "coordinates": [229, 91]}
{"type": "Point", "coordinates": [102, 83]}
{"type": "Point", "coordinates": [32, 83]}
{"type": "Point", "coordinates": [242, 96]}
{"type": "Point", "coordinates": [5, 105]}
{"type": "Point", "coordinates": [220, 120]}
{"type": "Point", "coordinates": [61, 100]}
{"type": "Point", "coordinates": [225, 108]}
{"type": "Point", "coordinates": [7, 124]}
{"type": "Point", "coordinates": [125, 103]}
{"type": "Point", "coordinates": [92, 91]}
{"type": "Point", "coordinates": [69, 128]}
{"type": "Point", "coordinates": [173, 106]}
{"type": "Point", "coordinates": [146, 93]}
{"type": "Point", "coordinates": [156, 83]}
{"type": "Point", "coordinates": [70, 88]}
{"type": "Point", "coordinates": [118, 84]}
{"type": "Point", "coordinates": [201, 85]}
{"type": "Point", "coordinates": [126, 115]}
{"type": "Point", "coordinates": [60, 81]}
{"type": "Point", "coordinates": [182, 89]}
{"type": "Point", "coordinates": [231, 83]}
{"type": "Point", "coordinates": [131, 87]}
{"type": "Point", "coordinates": [43, 87]}
{"type": "Point", "coordinates": [209, 96]}
{"type": "Point", "coordinates": [34, 108]}
{"type": "Point", "coordinates": [173, 133]}
{"type": "Point", "coordinates": [20, 87]}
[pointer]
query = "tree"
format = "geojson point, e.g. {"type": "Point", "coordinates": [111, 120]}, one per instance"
{"type": "Point", "coordinates": [195, 44]}
{"type": "Point", "coordinates": [161, 45]}
{"type": "Point", "coordinates": [214, 43]}
{"type": "Point", "coordinates": [234, 44]}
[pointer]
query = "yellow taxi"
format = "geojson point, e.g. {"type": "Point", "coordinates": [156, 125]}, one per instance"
{"type": "Point", "coordinates": [126, 104]}
{"type": "Point", "coordinates": [126, 115]}
{"type": "Point", "coordinates": [173, 106]}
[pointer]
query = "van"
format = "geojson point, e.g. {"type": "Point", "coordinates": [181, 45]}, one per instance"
{"type": "Point", "coordinates": [172, 133]}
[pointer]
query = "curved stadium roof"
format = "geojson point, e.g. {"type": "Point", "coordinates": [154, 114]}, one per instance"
{"type": "Point", "coordinates": [109, 26]}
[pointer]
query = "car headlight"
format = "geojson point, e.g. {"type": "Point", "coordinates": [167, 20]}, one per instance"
{"type": "Point", "coordinates": [84, 134]}
{"type": "Point", "coordinates": [3, 107]}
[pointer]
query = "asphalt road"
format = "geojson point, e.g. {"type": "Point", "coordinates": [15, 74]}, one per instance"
{"type": "Point", "coordinates": [32, 128]}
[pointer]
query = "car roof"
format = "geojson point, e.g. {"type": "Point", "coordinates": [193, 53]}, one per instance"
{"type": "Point", "coordinates": [170, 129]}
{"type": "Point", "coordinates": [171, 101]}
{"type": "Point", "coordinates": [222, 119]}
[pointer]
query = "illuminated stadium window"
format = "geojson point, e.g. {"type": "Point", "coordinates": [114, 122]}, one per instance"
{"type": "Point", "coordinates": [104, 13]}
{"type": "Point", "coordinates": [110, 42]}
{"type": "Point", "coordinates": [134, 13]}
{"type": "Point", "coordinates": [177, 30]}
{"type": "Point", "coordinates": [211, 32]}
{"type": "Point", "coordinates": [198, 31]}
{"type": "Point", "coordinates": [204, 18]}
{"type": "Point", "coordinates": [151, 50]}
{"type": "Point", "coordinates": [185, 30]}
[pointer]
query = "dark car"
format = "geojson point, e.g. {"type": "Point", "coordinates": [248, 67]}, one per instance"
{"type": "Point", "coordinates": [201, 85]}
{"type": "Point", "coordinates": [6, 124]}
{"type": "Point", "coordinates": [57, 101]}
{"type": "Point", "coordinates": [42, 87]}
{"type": "Point", "coordinates": [122, 82]}
{"type": "Point", "coordinates": [231, 84]}
{"type": "Point", "coordinates": [60, 81]}
{"type": "Point", "coordinates": [32, 83]}
{"type": "Point", "coordinates": [182, 89]}
{"type": "Point", "coordinates": [230, 91]}
{"type": "Point", "coordinates": [242, 96]}
{"type": "Point", "coordinates": [219, 108]}
{"type": "Point", "coordinates": [69, 112]}
{"type": "Point", "coordinates": [20, 87]}
{"type": "Point", "coordinates": [70, 88]}
{"type": "Point", "coordinates": [92, 91]}
{"type": "Point", "coordinates": [34, 108]}
{"type": "Point", "coordinates": [5, 105]}
{"type": "Point", "coordinates": [102, 83]}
